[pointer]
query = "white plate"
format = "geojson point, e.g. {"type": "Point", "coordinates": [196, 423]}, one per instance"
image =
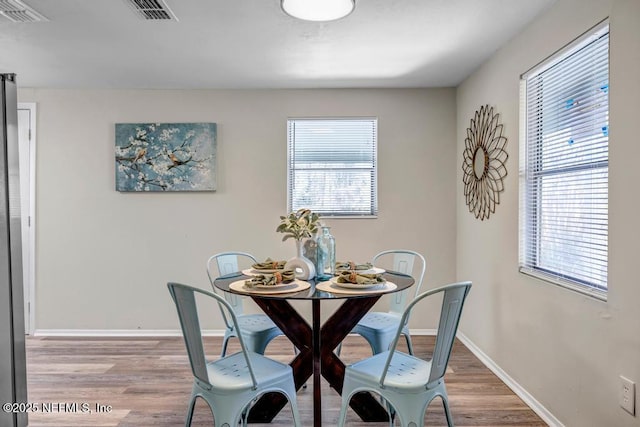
{"type": "Point", "coordinates": [267, 270]}
{"type": "Point", "coordinates": [373, 270]}
{"type": "Point", "coordinates": [334, 280]}
{"type": "Point", "coordinates": [278, 286]}
{"type": "Point", "coordinates": [253, 271]}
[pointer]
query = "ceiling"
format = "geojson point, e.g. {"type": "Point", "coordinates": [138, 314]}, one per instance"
{"type": "Point", "coordinates": [253, 44]}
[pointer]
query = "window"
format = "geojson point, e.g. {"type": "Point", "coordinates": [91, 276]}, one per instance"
{"type": "Point", "coordinates": [564, 164]}
{"type": "Point", "coordinates": [332, 166]}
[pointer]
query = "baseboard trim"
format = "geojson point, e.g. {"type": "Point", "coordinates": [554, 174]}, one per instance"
{"type": "Point", "coordinates": [119, 333]}
{"type": "Point", "coordinates": [422, 331]}
{"type": "Point", "coordinates": [523, 394]}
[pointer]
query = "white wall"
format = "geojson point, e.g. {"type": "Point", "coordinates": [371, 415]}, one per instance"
{"type": "Point", "coordinates": [564, 348]}
{"type": "Point", "coordinates": [104, 258]}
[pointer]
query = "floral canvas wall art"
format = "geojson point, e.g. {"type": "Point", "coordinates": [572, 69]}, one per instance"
{"type": "Point", "coordinates": [165, 156]}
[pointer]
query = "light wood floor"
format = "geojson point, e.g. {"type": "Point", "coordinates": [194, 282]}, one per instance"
{"type": "Point", "coordinates": [147, 383]}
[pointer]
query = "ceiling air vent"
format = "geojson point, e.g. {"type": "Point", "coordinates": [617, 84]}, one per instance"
{"type": "Point", "coordinates": [152, 10]}
{"type": "Point", "coordinates": [17, 11]}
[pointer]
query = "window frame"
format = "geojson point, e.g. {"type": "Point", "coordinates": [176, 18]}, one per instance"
{"type": "Point", "coordinates": [373, 170]}
{"type": "Point", "coordinates": [529, 237]}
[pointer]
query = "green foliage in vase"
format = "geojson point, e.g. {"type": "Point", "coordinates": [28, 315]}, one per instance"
{"type": "Point", "coordinates": [298, 225]}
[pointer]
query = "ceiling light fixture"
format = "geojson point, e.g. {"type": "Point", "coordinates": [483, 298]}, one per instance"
{"type": "Point", "coordinates": [318, 10]}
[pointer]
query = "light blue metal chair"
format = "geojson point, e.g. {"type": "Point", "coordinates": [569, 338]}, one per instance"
{"type": "Point", "coordinates": [257, 329]}
{"type": "Point", "coordinates": [231, 384]}
{"type": "Point", "coordinates": [405, 382]}
{"type": "Point", "coordinates": [379, 328]}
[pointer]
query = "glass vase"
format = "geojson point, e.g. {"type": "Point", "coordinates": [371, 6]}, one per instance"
{"type": "Point", "coordinates": [309, 250]}
{"type": "Point", "coordinates": [325, 254]}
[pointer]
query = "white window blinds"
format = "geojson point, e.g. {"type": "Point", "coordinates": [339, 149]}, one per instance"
{"type": "Point", "coordinates": [332, 166]}
{"type": "Point", "coordinates": [564, 166]}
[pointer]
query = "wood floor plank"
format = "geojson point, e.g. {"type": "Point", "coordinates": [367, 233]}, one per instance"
{"type": "Point", "coordinates": [147, 382]}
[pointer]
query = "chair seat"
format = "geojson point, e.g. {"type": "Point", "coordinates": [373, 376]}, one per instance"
{"type": "Point", "coordinates": [232, 372]}
{"type": "Point", "coordinates": [379, 329]}
{"type": "Point", "coordinates": [255, 323]}
{"type": "Point", "coordinates": [257, 329]}
{"type": "Point", "coordinates": [406, 373]}
{"type": "Point", "coordinates": [378, 321]}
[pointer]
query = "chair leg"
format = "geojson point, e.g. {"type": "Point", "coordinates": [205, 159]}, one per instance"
{"type": "Point", "coordinates": [225, 342]}
{"type": "Point", "coordinates": [297, 422]}
{"type": "Point", "coordinates": [256, 343]}
{"type": "Point", "coordinates": [380, 342]}
{"type": "Point", "coordinates": [192, 406]}
{"type": "Point", "coordinates": [390, 409]}
{"type": "Point", "coordinates": [296, 352]}
{"type": "Point", "coordinates": [447, 411]}
{"type": "Point", "coordinates": [245, 415]}
{"type": "Point", "coordinates": [343, 409]}
{"type": "Point", "coordinates": [409, 410]}
{"type": "Point", "coordinates": [409, 343]}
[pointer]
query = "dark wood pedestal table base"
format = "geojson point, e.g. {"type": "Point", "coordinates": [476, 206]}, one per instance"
{"type": "Point", "coordinates": [316, 344]}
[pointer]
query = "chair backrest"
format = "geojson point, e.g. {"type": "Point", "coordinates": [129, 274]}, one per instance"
{"type": "Point", "coordinates": [452, 303]}
{"type": "Point", "coordinates": [185, 300]}
{"type": "Point", "coordinates": [407, 262]}
{"type": "Point", "coordinates": [226, 263]}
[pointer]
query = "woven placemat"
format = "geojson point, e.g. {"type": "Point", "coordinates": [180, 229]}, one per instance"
{"type": "Point", "coordinates": [295, 286]}
{"type": "Point", "coordinates": [332, 287]}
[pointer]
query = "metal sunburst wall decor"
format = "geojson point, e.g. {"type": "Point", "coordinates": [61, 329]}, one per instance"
{"type": "Point", "coordinates": [483, 163]}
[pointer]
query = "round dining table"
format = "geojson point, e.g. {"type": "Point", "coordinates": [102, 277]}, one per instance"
{"type": "Point", "coordinates": [316, 342]}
